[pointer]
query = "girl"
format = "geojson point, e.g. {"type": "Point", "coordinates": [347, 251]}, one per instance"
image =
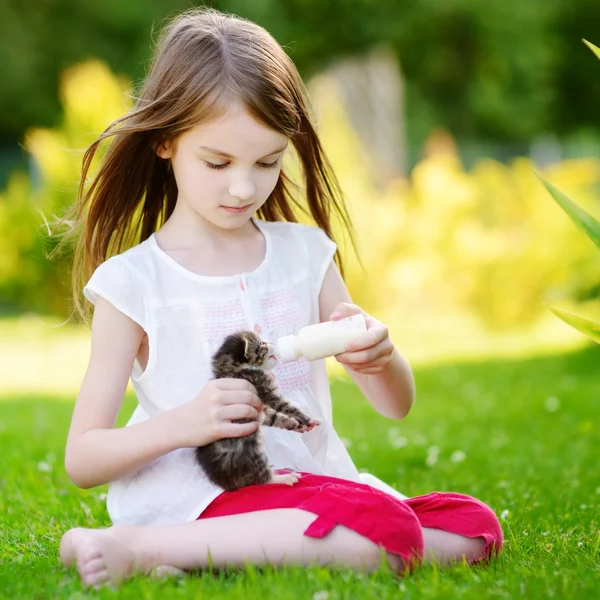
{"type": "Point", "coordinates": [188, 169]}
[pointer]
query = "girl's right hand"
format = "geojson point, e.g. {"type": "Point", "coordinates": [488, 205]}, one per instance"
{"type": "Point", "coordinates": [208, 417]}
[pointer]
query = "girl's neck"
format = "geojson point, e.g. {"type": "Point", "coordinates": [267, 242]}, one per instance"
{"type": "Point", "coordinates": [191, 231]}
{"type": "Point", "coordinates": [209, 251]}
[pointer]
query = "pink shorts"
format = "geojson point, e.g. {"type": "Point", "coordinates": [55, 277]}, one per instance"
{"type": "Point", "coordinates": [395, 525]}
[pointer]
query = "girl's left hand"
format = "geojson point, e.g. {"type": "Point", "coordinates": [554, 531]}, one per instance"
{"type": "Point", "coordinates": [370, 353]}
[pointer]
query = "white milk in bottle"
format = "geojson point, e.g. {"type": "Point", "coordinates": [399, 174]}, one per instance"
{"type": "Point", "coordinates": [321, 340]}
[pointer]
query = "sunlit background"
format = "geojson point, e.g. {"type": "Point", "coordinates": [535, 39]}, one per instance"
{"type": "Point", "coordinates": [441, 118]}
{"type": "Point", "coordinates": [436, 116]}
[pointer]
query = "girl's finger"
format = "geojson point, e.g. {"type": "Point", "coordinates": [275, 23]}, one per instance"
{"type": "Point", "coordinates": [365, 356]}
{"type": "Point", "coordinates": [241, 397]}
{"type": "Point", "coordinates": [238, 411]}
{"type": "Point", "coordinates": [233, 430]}
{"type": "Point", "coordinates": [371, 338]}
{"type": "Point", "coordinates": [227, 383]}
{"type": "Point", "coordinates": [355, 358]}
{"type": "Point", "coordinates": [370, 370]}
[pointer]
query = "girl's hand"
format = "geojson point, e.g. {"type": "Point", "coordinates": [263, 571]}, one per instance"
{"type": "Point", "coordinates": [372, 352]}
{"type": "Point", "coordinates": [208, 417]}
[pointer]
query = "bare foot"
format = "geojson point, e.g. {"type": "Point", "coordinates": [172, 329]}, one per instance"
{"type": "Point", "coordinates": [106, 556]}
{"type": "Point", "coordinates": [288, 478]}
{"type": "Point", "coordinates": [100, 555]}
{"type": "Point", "coordinates": [167, 571]}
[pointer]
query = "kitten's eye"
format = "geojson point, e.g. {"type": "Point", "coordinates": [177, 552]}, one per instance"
{"type": "Point", "coordinates": [263, 343]}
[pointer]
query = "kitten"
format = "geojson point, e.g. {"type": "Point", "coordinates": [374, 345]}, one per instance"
{"type": "Point", "coordinates": [232, 463]}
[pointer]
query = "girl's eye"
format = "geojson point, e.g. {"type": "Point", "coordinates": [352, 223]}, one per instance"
{"type": "Point", "coordinates": [215, 166]}
{"type": "Point", "coordinates": [272, 165]}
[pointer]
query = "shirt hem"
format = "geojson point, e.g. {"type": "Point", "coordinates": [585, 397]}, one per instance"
{"type": "Point", "coordinates": [202, 506]}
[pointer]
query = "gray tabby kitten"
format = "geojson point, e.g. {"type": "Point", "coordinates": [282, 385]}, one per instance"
{"type": "Point", "coordinates": [232, 463]}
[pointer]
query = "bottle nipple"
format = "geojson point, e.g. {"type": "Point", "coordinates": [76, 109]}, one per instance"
{"type": "Point", "coordinates": [286, 349]}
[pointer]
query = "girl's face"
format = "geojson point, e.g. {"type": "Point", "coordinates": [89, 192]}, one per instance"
{"type": "Point", "coordinates": [226, 168]}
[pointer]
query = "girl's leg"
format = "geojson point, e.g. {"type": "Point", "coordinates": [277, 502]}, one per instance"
{"type": "Point", "coordinates": [443, 547]}
{"type": "Point", "coordinates": [456, 527]}
{"type": "Point", "coordinates": [273, 537]}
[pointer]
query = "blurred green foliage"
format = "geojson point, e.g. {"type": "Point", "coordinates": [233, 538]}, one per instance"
{"type": "Point", "coordinates": [91, 97]}
{"type": "Point", "coordinates": [482, 240]}
{"type": "Point", "coordinates": [589, 225]}
{"type": "Point", "coordinates": [500, 70]}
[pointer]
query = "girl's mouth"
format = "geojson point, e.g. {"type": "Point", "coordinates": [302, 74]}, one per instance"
{"type": "Point", "coordinates": [236, 210]}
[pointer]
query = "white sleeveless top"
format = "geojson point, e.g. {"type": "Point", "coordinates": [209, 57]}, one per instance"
{"type": "Point", "coordinates": [186, 317]}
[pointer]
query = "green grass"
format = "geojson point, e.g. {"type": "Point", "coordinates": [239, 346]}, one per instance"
{"type": "Point", "coordinates": [520, 434]}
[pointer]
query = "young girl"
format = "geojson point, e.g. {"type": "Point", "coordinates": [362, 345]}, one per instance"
{"type": "Point", "coordinates": [174, 259]}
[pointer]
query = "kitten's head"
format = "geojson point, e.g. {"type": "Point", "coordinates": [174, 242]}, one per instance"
{"type": "Point", "coordinates": [246, 349]}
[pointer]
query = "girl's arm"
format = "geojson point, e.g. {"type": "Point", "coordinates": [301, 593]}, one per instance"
{"type": "Point", "coordinates": [386, 378]}
{"type": "Point", "coordinates": [97, 453]}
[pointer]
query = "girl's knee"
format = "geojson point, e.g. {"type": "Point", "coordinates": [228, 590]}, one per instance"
{"type": "Point", "coordinates": [464, 516]}
{"type": "Point", "coordinates": [482, 526]}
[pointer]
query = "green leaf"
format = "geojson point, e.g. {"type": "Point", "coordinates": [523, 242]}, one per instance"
{"type": "Point", "coordinates": [588, 224]}
{"type": "Point", "coordinates": [593, 48]}
{"type": "Point", "coordinates": [586, 326]}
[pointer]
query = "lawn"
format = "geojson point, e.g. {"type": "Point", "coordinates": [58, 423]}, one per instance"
{"type": "Point", "coordinates": [522, 434]}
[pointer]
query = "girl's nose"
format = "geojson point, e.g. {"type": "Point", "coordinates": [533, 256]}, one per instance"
{"type": "Point", "coordinates": [243, 189]}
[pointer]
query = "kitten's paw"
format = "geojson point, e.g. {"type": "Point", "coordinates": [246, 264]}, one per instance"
{"type": "Point", "coordinates": [286, 478]}
{"type": "Point", "coordinates": [310, 426]}
{"type": "Point", "coordinates": [290, 424]}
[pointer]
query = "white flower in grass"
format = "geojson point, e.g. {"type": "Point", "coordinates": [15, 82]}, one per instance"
{"type": "Point", "coordinates": [44, 467]}
{"type": "Point", "coordinates": [393, 432]}
{"type": "Point", "coordinates": [433, 453]}
{"type": "Point", "coordinates": [396, 440]}
{"type": "Point", "coordinates": [399, 442]}
{"type": "Point", "coordinates": [552, 404]}
{"type": "Point", "coordinates": [458, 456]}
{"type": "Point", "coordinates": [504, 515]}
{"type": "Point", "coordinates": [322, 595]}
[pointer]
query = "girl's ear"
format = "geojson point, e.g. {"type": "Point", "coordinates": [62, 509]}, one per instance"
{"type": "Point", "coordinates": [165, 149]}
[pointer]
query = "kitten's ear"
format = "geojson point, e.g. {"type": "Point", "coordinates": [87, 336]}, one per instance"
{"type": "Point", "coordinates": [246, 347]}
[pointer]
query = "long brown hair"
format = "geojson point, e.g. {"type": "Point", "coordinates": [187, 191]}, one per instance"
{"type": "Point", "coordinates": [202, 58]}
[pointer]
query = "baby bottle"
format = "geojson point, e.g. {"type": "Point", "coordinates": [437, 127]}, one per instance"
{"type": "Point", "coordinates": [321, 340]}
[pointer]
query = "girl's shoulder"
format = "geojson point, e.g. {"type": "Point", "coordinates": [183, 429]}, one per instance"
{"type": "Point", "coordinates": [134, 259]}
{"type": "Point", "coordinates": [297, 234]}
{"type": "Point", "coordinates": [122, 280]}
{"type": "Point", "coordinates": [300, 247]}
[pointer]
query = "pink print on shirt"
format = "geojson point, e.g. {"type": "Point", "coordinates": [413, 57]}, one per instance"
{"type": "Point", "coordinates": [281, 316]}
{"type": "Point", "coordinates": [217, 321]}
{"type": "Point", "coordinates": [280, 310]}
{"type": "Point", "coordinates": [292, 376]}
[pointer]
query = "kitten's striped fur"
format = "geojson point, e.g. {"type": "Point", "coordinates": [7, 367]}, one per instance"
{"type": "Point", "coordinates": [232, 463]}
